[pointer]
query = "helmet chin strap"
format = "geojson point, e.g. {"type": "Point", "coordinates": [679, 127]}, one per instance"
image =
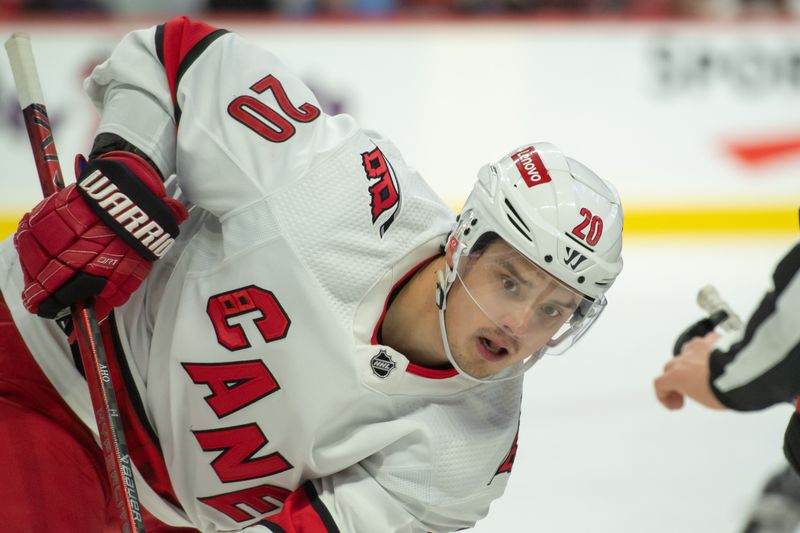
{"type": "Point", "coordinates": [442, 288]}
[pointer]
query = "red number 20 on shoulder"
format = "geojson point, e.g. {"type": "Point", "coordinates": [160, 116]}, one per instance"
{"type": "Point", "coordinates": [263, 119]}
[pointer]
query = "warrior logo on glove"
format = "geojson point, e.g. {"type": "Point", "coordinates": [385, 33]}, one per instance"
{"type": "Point", "coordinates": [127, 214]}
{"type": "Point", "coordinates": [137, 209]}
{"type": "Point", "coordinates": [97, 239]}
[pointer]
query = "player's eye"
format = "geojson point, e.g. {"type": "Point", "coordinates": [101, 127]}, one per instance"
{"type": "Point", "coordinates": [550, 310]}
{"type": "Point", "coordinates": [510, 285]}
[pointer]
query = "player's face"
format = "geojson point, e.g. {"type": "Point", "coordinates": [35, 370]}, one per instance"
{"type": "Point", "coordinates": [502, 308]}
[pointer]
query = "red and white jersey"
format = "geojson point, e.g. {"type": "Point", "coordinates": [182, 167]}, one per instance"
{"type": "Point", "coordinates": [255, 391]}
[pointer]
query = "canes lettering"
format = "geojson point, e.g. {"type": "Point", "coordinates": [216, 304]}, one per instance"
{"type": "Point", "coordinates": [234, 386]}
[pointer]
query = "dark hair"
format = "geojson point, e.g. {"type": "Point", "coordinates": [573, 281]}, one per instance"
{"type": "Point", "coordinates": [484, 241]}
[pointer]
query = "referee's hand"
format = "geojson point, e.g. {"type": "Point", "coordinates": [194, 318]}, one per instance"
{"type": "Point", "coordinates": [687, 374]}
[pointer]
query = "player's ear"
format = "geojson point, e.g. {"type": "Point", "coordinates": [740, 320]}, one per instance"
{"type": "Point", "coordinates": [449, 250]}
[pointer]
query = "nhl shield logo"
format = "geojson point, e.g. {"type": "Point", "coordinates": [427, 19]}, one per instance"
{"type": "Point", "coordinates": [382, 364]}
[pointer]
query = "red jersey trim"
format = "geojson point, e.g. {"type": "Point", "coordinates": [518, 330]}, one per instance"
{"type": "Point", "coordinates": [179, 43]}
{"type": "Point", "coordinates": [303, 512]}
{"type": "Point", "coordinates": [389, 298]}
{"type": "Point", "coordinates": [431, 373]}
{"type": "Point", "coordinates": [399, 282]}
{"type": "Point", "coordinates": [417, 370]}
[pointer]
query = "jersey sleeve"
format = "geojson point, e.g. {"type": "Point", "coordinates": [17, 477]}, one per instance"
{"type": "Point", "coordinates": [764, 367]}
{"type": "Point", "coordinates": [220, 112]}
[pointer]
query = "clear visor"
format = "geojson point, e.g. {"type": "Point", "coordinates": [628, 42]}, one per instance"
{"type": "Point", "coordinates": [528, 312]}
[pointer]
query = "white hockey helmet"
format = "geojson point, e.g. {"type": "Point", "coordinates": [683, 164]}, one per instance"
{"type": "Point", "coordinates": [563, 225]}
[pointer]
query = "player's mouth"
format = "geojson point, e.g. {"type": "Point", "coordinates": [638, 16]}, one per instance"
{"type": "Point", "coordinates": [492, 350]}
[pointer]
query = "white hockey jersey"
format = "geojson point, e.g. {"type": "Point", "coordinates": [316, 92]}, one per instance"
{"type": "Point", "coordinates": [255, 391]}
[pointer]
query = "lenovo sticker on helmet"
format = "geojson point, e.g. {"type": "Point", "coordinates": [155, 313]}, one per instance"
{"type": "Point", "coordinates": [531, 167]}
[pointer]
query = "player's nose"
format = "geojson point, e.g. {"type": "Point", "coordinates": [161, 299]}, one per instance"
{"type": "Point", "coordinates": [518, 322]}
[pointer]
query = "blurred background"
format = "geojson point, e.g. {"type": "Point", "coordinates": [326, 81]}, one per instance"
{"type": "Point", "coordinates": [417, 8]}
{"type": "Point", "coordinates": [692, 109]}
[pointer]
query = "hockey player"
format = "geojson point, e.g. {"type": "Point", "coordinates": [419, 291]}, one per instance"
{"type": "Point", "coordinates": [307, 341]}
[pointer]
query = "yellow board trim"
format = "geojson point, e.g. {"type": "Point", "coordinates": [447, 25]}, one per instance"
{"type": "Point", "coordinates": [712, 220]}
{"type": "Point", "coordinates": [704, 220]}
{"type": "Point", "coordinates": [8, 224]}
{"type": "Point", "coordinates": [759, 220]}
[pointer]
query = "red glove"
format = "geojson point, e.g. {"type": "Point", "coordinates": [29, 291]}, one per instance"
{"type": "Point", "coordinates": [97, 238]}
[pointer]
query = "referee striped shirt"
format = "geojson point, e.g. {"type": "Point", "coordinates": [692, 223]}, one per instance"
{"type": "Point", "coordinates": [763, 368]}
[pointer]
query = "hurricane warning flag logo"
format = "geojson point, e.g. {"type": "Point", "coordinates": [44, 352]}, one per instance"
{"type": "Point", "coordinates": [508, 461]}
{"type": "Point", "coordinates": [383, 189]}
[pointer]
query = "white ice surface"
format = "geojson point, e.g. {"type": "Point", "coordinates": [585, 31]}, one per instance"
{"type": "Point", "coordinates": [598, 454]}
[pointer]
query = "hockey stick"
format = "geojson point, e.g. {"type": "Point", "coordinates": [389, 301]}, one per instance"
{"type": "Point", "coordinates": [719, 314]}
{"type": "Point", "coordinates": [84, 321]}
